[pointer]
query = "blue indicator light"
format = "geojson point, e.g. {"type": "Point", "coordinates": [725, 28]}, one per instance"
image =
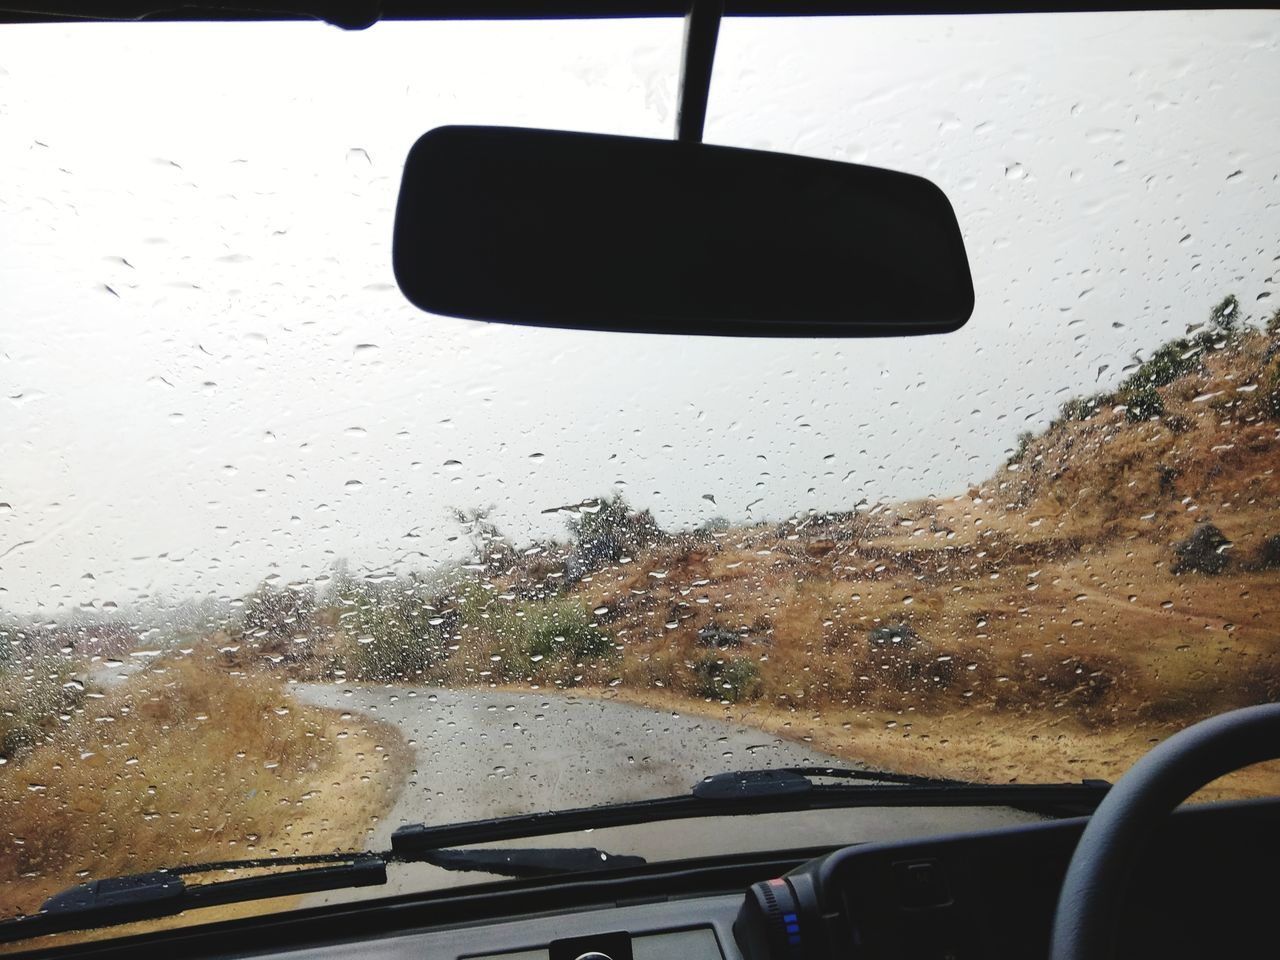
{"type": "Point", "coordinates": [789, 917]}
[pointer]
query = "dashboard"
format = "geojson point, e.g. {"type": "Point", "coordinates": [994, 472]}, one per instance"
{"type": "Point", "coordinates": [1206, 888]}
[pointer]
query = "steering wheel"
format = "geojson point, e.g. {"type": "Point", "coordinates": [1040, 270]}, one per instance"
{"type": "Point", "coordinates": [1089, 904]}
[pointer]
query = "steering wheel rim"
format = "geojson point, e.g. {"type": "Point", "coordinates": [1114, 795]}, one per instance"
{"type": "Point", "coordinates": [1088, 909]}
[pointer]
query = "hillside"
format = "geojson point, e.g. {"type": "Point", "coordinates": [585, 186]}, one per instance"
{"type": "Point", "coordinates": [1114, 581]}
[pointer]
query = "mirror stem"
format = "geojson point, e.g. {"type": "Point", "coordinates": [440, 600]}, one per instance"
{"type": "Point", "coordinates": [701, 29]}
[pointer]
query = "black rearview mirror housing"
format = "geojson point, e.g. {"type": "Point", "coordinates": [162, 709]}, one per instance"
{"type": "Point", "coordinates": [597, 232]}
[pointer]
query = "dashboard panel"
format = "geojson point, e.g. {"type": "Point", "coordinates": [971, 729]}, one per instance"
{"type": "Point", "coordinates": [1206, 888]}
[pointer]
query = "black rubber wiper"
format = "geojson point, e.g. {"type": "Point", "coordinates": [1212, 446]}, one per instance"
{"type": "Point", "coordinates": [164, 893]}
{"type": "Point", "coordinates": [534, 862]}
{"type": "Point", "coordinates": [779, 790]}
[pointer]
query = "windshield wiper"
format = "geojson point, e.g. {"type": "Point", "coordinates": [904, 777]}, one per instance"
{"type": "Point", "coordinates": [164, 893]}
{"type": "Point", "coordinates": [779, 790]}
{"type": "Point", "coordinates": [534, 862]}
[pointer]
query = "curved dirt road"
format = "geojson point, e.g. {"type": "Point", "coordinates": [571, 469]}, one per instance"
{"type": "Point", "coordinates": [484, 753]}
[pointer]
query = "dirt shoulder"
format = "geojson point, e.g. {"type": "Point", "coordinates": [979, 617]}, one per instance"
{"type": "Point", "coordinates": [189, 763]}
{"type": "Point", "coordinates": [974, 746]}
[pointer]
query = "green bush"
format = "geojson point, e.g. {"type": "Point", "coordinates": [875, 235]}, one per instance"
{"type": "Point", "coordinates": [725, 679]}
{"type": "Point", "coordinates": [1082, 408]}
{"type": "Point", "coordinates": [1226, 315]}
{"type": "Point", "coordinates": [1269, 401]}
{"type": "Point", "coordinates": [1143, 403]}
{"type": "Point", "coordinates": [1024, 441]}
{"type": "Point", "coordinates": [605, 531]}
{"type": "Point", "coordinates": [565, 632]}
{"type": "Point", "coordinates": [548, 641]}
{"type": "Point", "coordinates": [273, 617]}
{"type": "Point", "coordinates": [1166, 365]}
{"type": "Point", "coordinates": [37, 696]}
{"type": "Point", "coordinates": [397, 634]}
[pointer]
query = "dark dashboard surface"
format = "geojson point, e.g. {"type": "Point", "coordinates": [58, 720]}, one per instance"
{"type": "Point", "coordinates": [1207, 888]}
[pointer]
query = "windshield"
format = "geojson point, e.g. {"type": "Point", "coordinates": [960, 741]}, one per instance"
{"type": "Point", "coordinates": [286, 564]}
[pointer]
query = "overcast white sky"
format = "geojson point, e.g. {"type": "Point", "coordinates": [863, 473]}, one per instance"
{"type": "Point", "coordinates": [208, 375]}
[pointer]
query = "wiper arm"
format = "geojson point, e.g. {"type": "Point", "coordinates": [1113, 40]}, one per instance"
{"type": "Point", "coordinates": [534, 862]}
{"type": "Point", "coordinates": [165, 893]}
{"type": "Point", "coordinates": [792, 780]}
{"type": "Point", "coordinates": [780, 790]}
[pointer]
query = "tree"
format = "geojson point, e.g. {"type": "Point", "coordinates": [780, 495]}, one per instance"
{"type": "Point", "coordinates": [606, 530]}
{"type": "Point", "coordinates": [1143, 403]}
{"type": "Point", "coordinates": [493, 550]}
{"type": "Point", "coordinates": [1024, 441]}
{"type": "Point", "coordinates": [1226, 315]}
{"type": "Point", "coordinates": [275, 617]}
{"type": "Point", "coordinates": [398, 633]}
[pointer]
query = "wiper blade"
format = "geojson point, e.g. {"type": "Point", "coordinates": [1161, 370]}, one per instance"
{"type": "Point", "coordinates": [534, 862]}
{"type": "Point", "coordinates": [164, 893]}
{"type": "Point", "coordinates": [780, 790]}
{"type": "Point", "coordinates": [792, 780]}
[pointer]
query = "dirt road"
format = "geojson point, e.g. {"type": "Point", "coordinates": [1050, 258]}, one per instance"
{"type": "Point", "coordinates": [482, 753]}
{"type": "Point", "coordinates": [490, 753]}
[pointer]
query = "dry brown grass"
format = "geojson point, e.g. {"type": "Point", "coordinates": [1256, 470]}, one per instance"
{"type": "Point", "coordinates": [973, 746]}
{"type": "Point", "coordinates": [1095, 638]}
{"type": "Point", "coordinates": [1055, 640]}
{"type": "Point", "coordinates": [189, 763]}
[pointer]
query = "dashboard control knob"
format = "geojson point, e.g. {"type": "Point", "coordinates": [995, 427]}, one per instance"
{"type": "Point", "coordinates": [768, 925]}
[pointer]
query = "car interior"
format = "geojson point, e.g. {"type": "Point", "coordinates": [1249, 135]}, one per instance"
{"type": "Point", "coordinates": [622, 235]}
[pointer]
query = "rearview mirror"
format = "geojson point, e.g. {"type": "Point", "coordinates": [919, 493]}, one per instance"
{"type": "Point", "coordinates": [614, 233]}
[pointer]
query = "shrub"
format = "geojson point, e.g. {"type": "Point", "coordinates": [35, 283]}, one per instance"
{"type": "Point", "coordinates": [1073, 681]}
{"type": "Point", "coordinates": [1143, 403]}
{"type": "Point", "coordinates": [890, 636]}
{"type": "Point", "coordinates": [1205, 551]}
{"type": "Point", "coordinates": [37, 698]}
{"type": "Point", "coordinates": [1024, 441]}
{"type": "Point", "coordinates": [1268, 555]}
{"type": "Point", "coordinates": [607, 530]}
{"type": "Point", "coordinates": [1082, 408]}
{"type": "Point", "coordinates": [272, 618]}
{"type": "Point", "coordinates": [550, 641]}
{"type": "Point", "coordinates": [397, 633]}
{"type": "Point", "coordinates": [1269, 400]}
{"type": "Point", "coordinates": [901, 660]}
{"type": "Point", "coordinates": [566, 633]}
{"type": "Point", "coordinates": [1226, 315]}
{"type": "Point", "coordinates": [1166, 365]}
{"type": "Point", "coordinates": [727, 679]}
{"type": "Point", "coordinates": [720, 637]}
{"type": "Point", "coordinates": [494, 551]}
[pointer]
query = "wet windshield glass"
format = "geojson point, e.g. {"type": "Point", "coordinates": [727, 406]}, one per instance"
{"type": "Point", "coordinates": [285, 564]}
